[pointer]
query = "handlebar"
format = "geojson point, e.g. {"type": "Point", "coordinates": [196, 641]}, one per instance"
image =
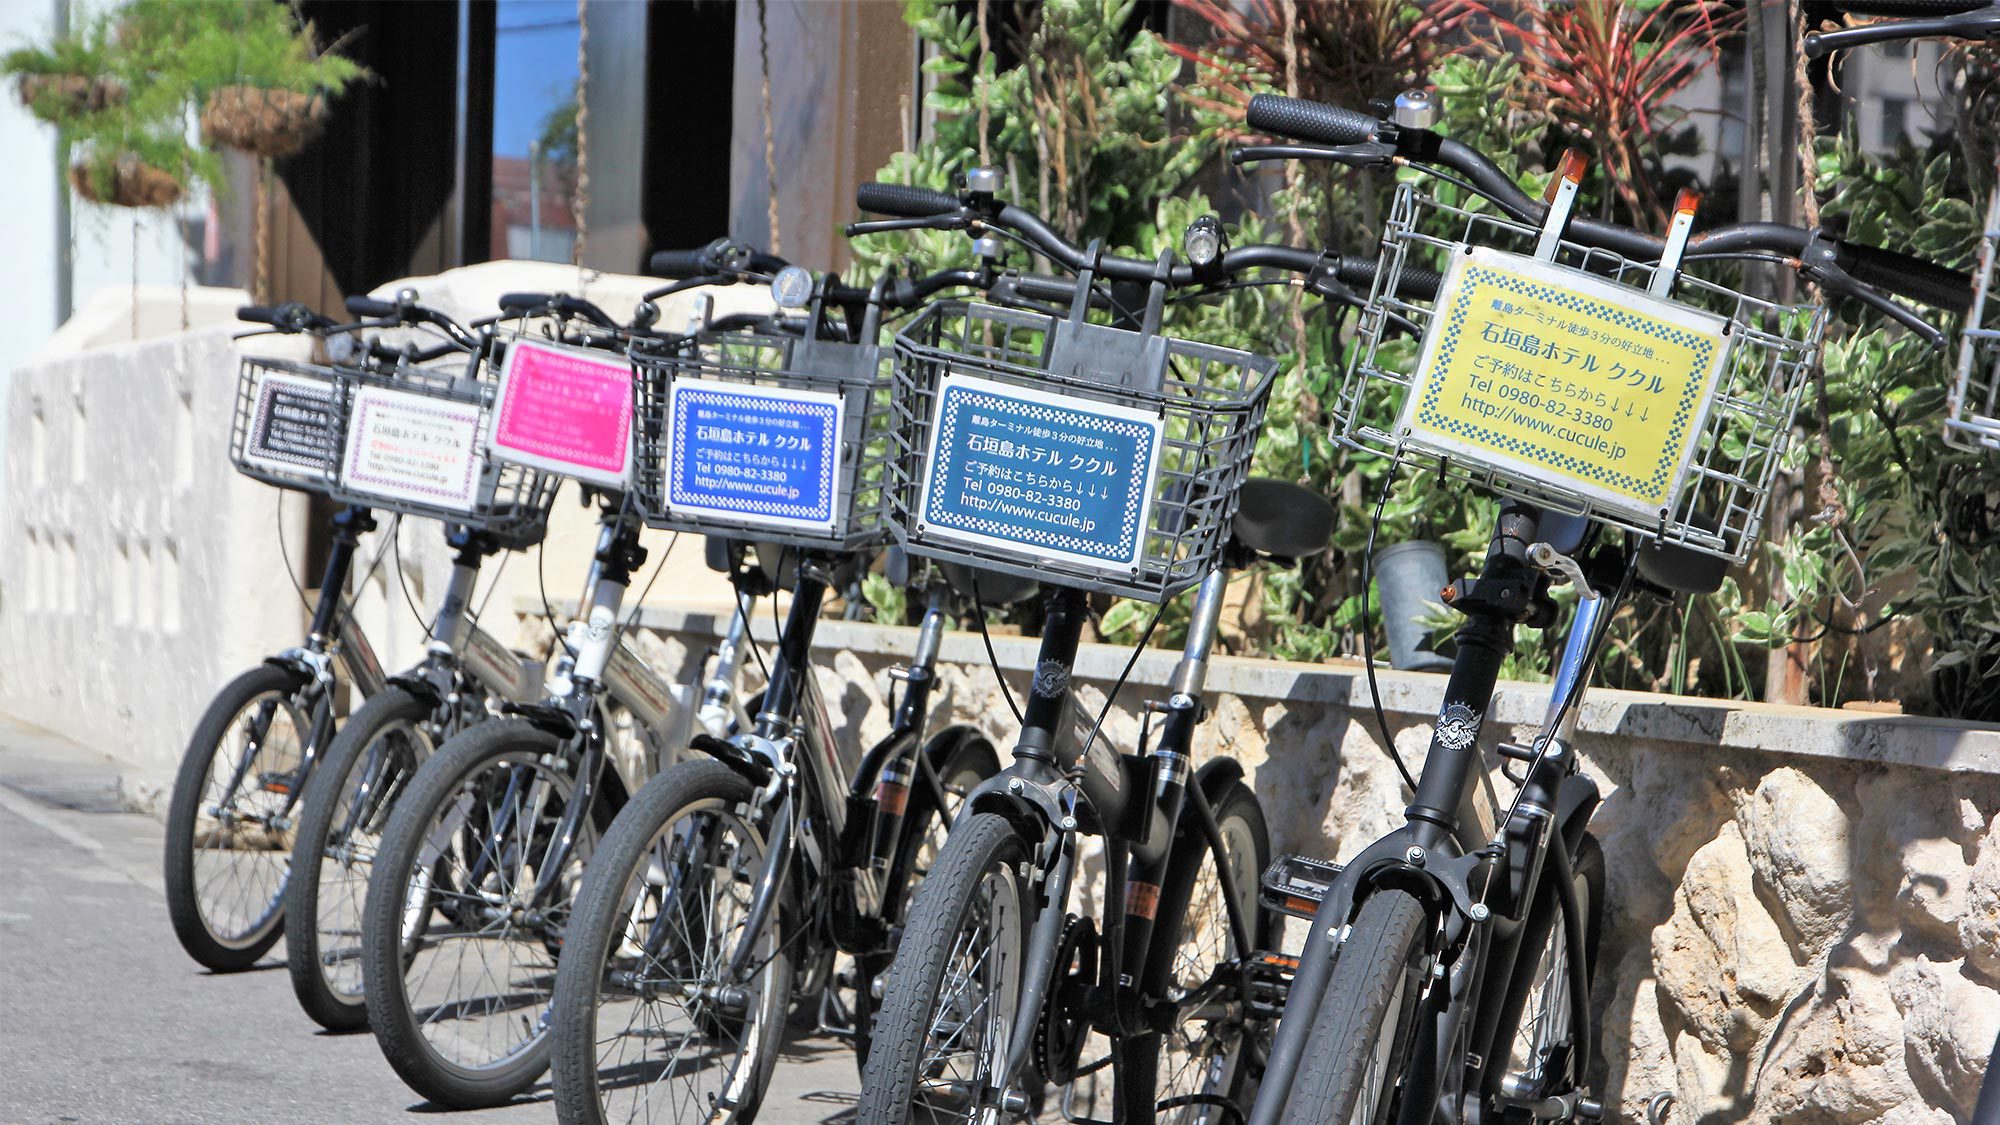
{"type": "Point", "coordinates": [723, 257]}
{"type": "Point", "coordinates": [1849, 268]}
{"type": "Point", "coordinates": [290, 317]}
{"type": "Point", "coordinates": [557, 304]}
{"type": "Point", "coordinates": [1911, 19]}
{"type": "Point", "coordinates": [405, 310]}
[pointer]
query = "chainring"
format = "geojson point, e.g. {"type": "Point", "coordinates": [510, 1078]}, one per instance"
{"type": "Point", "coordinates": [1064, 1024]}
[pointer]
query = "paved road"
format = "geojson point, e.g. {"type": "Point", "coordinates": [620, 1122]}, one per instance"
{"type": "Point", "coordinates": [104, 1019]}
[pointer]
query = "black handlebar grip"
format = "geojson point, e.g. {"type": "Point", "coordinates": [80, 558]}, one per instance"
{"type": "Point", "coordinates": [524, 302]}
{"type": "Point", "coordinates": [1046, 289]}
{"type": "Point", "coordinates": [258, 314]}
{"type": "Point", "coordinates": [903, 201]}
{"type": "Point", "coordinates": [369, 307]}
{"type": "Point", "coordinates": [1415, 284]}
{"type": "Point", "coordinates": [1302, 120]}
{"type": "Point", "coordinates": [1907, 9]}
{"type": "Point", "coordinates": [678, 264]}
{"type": "Point", "coordinates": [1909, 277]}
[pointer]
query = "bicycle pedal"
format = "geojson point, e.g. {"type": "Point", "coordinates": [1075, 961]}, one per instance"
{"type": "Point", "coordinates": [280, 783]}
{"type": "Point", "coordinates": [1268, 983]}
{"type": "Point", "coordinates": [1294, 885]}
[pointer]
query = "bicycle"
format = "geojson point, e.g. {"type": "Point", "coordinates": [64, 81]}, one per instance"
{"type": "Point", "coordinates": [733, 880]}
{"type": "Point", "coordinates": [997, 986]}
{"type": "Point", "coordinates": [230, 817]}
{"type": "Point", "coordinates": [1448, 967]}
{"type": "Point", "coordinates": [481, 852]}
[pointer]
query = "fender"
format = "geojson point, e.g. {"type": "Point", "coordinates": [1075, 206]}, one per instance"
{"type": "Point", "coordinates": [949, 742]}
{"type": "Point", "coordinates": [1576, 800]}
{"type": "Point", "coordinates": [1215, 777]}
{"type": "Point", "coordinates": [294, 664]}
{"type": "Point", "coordinates": [416, 683]}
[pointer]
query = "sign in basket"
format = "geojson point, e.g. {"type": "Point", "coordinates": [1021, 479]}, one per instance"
{"type": "Point", "coordinates": [755, 455]}
{"type": "Point", "coordinates": [1068, 479]}
{"type": "Point", "coordinates": [566, 410]}
{"type": "Point", "coordinates": [1558, 376]}
{"type": "Point", "coordinates": [292, 425]}
{"type": "Point", "coordinates": [414, 447]}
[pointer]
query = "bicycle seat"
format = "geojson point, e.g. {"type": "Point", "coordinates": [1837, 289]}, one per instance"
{"type": "Point", "coordinates": [1680, 569]}
{"type": "Point", "coordinates": [1282, 519]}
{"type": "Point", "coordinates": [995, 589]}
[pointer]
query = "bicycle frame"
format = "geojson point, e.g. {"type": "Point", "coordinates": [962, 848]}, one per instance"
{"type": "Point", "coordinates": [849, 829]}
{"type": "Point", "coordinates": [333, 640]}
{"type": "Point", "coordinates": [1478, 883]}
{"type": "Point", "coordinates": [1136, 801]}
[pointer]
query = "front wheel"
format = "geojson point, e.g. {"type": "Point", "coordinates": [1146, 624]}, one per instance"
{"type": "Point", "coordinates": [347, 805]}
{"type": "Point", "coordinates": [458, 950]}
{"type": "Point", "coordinates": [1365, 1026]}
{"type": "Point", "coordinates": [229, 843]}
{"type": "Point", "coordinates": [1537, 1032]}
{"type": "Point", "coordinates": [1196, 1073]}
{"type": "Point", "coordinates": [942, 1035]}
{"type": "Point", "coordinates": [649, 1023]}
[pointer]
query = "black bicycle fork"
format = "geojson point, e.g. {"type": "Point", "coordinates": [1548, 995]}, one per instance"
{"type": "Point", "coordinates": [1432, 854]}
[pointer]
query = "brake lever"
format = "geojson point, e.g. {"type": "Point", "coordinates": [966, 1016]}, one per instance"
{"type": "Point", "coordinates": [883, 226]}
{"type": "Point", "coordinates": [1367, 154]}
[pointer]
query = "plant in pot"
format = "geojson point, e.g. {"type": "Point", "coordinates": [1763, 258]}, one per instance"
{"type": "Point", "coordinates": [250, 65]}
{"type": "Point", "coordinates": [67, 78]}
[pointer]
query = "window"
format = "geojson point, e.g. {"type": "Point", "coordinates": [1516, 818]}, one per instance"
{"type": "Point", "coordinates": [534, 129]}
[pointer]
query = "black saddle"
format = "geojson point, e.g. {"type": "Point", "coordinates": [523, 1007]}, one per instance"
{"type": "Point", "coordinates": [1282, 519]}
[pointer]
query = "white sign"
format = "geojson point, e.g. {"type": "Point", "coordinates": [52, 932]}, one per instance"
{"type": "Point", "coordinates": [413, 447]}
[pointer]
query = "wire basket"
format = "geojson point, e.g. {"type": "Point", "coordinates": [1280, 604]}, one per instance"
{"type": "Point", "coordinates": [1972, 419]}
{"type": "Point", "coordinates": [768, 437]}
{"type": "Point", "coordinates": [1067, 452]}
{"type": "Point", "coordinates": [407, 439]}
{"type": "Point", "coordinates": [1710, 453]}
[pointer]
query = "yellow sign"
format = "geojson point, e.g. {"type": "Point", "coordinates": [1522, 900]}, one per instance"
{"type": "Point", "coordinates": [1566, 380]}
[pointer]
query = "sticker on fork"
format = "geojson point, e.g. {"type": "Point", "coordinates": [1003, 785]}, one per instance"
{"type": "Point", "coordinates": [1549, 374]}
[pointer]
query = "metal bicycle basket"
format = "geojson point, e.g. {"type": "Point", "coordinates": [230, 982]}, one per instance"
{"type": "Point", "coordinates": [766, 436]}
{"type": "Point", "coordinates": [1972, 419]}
{"type": "Point", "coordinates": [1064, 451]}
{"type": "Point", "coordinates": [1566, 384]}
{"type": "Point", "coordinates": [402, 438]}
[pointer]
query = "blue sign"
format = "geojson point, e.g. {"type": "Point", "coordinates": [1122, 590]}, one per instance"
{"type": "Point", "coordinates": [759, 455]}
{"type": "Point", "coordinates": [1065, 478]}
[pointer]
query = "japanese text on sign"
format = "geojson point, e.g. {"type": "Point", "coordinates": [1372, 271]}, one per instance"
{"type": "Point", "coordinates": [1540, 370]}
{"type": "Point", "coordinates": [567, 410]}
{"type": "Point", "coordinates": [761, 455]}
{"type": "Point", "coordinates": [1066, 478]}
{"type": "Point", "coordinates": [292, 427]}
{"type": "Point", "coordinates": [413, 447]}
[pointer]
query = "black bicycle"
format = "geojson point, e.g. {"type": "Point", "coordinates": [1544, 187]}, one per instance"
{"type": "Point", "coordinates": [730, 883]}
{"type": "Point", "coordinates": [1019, 427]}
{"type": "Point", "coordinates": [1448, 969]}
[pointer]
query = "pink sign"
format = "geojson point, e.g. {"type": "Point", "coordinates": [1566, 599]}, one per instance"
{"type": "Point", "coordinates": [566, 410]}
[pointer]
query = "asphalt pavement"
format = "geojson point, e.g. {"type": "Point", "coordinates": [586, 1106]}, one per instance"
{"type": "Point", "coordinates": [104, 1019]}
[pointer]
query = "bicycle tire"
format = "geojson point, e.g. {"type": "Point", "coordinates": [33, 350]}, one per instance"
{"type": "Point", "coordinates": [971, 762]}
{"type": "Point", "coordinates": [1378, 970]}
{"type": "Point", "coordinates": [1542, 925]}
{"type": "Point", "coordinates": [604, 906]}
{"type": "Point", "coordinates": [225, 952]}
{"type": "Point", "coordinates": [981, 847]}
{"type": "Point", "coordinates": [335, 1000]}
{"type": "Point", "coordinates": [388, 955]}
{"type": "Point", "coordinates": [1240, 819]}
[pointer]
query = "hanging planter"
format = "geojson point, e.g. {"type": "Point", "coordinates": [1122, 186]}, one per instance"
{"type": "Point", "coordinates": [127, 181]}
{"type": "Point", "coordinates": [263, 121]}
{"type": "Point", "coordinates": [56, 98]}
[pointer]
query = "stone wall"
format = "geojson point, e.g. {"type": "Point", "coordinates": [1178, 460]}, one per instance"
{"type": "Point", "coordinates": [1803, 916]}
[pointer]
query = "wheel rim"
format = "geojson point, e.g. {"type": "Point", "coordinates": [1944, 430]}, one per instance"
{"type": "Point", "coordinates": [380, 774]}
{"type": "Point", "coordinates": [973, 1016]}
{"type": "Point", "coordinates": [243, 847]}
{"type": "Point", "coordinates": [479, 965]}
{"type": "Point", "coordinates": [1199, 1057]}
{"type": "Point", "coordinates": [670, 1046]}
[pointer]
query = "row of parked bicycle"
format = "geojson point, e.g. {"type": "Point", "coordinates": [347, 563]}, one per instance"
{"type": "Point", "coordinates": [504, 868]}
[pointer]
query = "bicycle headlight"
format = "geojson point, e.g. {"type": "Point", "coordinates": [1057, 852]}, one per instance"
{"type": "Point", "coordinates": [1203, 241]}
